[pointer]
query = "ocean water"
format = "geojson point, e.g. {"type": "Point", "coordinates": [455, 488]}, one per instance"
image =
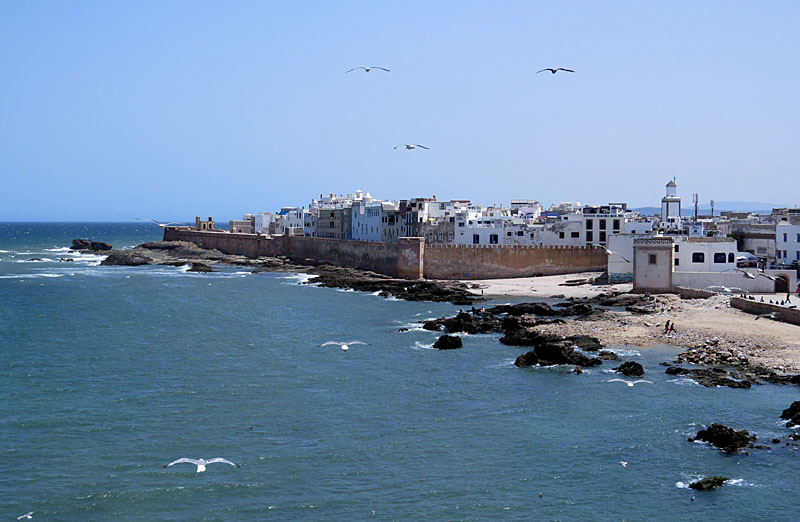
{"type": "Point", "coordinates": [109, 373]}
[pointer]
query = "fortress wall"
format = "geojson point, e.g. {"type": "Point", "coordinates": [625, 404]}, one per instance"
{"type": "Point", "coordinates": [495, 262]}
{"type": "Point", "coordinates": [249, 245]}
{"type": "Point", "coordinates": [366, 255]}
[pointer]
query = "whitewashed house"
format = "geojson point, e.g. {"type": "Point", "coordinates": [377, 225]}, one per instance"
{"type": "Point", "coordinates": [787, 243]}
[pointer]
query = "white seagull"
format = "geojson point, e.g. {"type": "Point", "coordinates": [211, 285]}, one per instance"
{"type": "Point", "coordinates": [162, 225]}
{"type": "Point", "coordinates": [555, 70]}
{"type": "Point", "coordinates": [629, 383]}
{"type": "Point", "coordinates": [345, 346]}
{"type": "Point", "coordinates": [745, 273]}
{"type": "Point", "coordinates": [28, 515]}
{"type": "Point", "coordinates": [368, 69]}
{"type": "Point", "coordinates": [412, 146]}
{"type": "Point", "coordinates": [201, 463]}
{"type": "Point", "coordinates": [623, 463]}
{"type": "Point", "coordinates": [611, 252]}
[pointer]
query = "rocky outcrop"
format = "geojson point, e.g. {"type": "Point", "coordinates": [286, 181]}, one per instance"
{"type": "Point", "coordinates": [727, 439]}
{"type": "Point", "coordinates": [549, 354]}
{"type": "Point", "coordinates": [710, 377]}
{"type": "Point", "coordinates": [542, 309]}
{"type": "Point", "coordinates": [126, 258]}
{"type": "Point", "coordinates": [466, 322]}
{"type": "Point", "coordinates": [630, 369]}
{"type": "Point", "coordinates": [608, 356]}
{"type": "Point", "coordinates": [86, 244]}
{"type": "Point", "coordinates": [793, 414]}
{"type": "Point", "coordinates": [200, 267]}
{"type": "Point", "coordinates": [708, 483]}
{"type": "Point", "coordinates": [448, 342]}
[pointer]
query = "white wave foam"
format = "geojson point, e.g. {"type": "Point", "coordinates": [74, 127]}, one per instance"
{"type": "Point", "coordinates": [61, 249]}
{"type": "Point", "coordinates": [682, 485]}
{"type": "Point", "coordinates": [345, 290]}
{"type": "Point", "coordinates": [5, 251]}
{"type": "Point", "coordinates": [684, 381]}
{"type": "Point", "coordinates": [29, 276]}
{"type": "Point", "coordinates": [35, 260]}
{"type": "Point", "coordinates": [422, 346]}
{"type": "Point", "coordinates": [625, 353]}
{"type": "Point", "coordinates": [298, 278]}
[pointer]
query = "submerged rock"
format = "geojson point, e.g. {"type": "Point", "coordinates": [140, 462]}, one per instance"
{"type": "Point", "coordinates": [630, 369]}
{"type": "Point", "coordinates": [727, 439]}
{"type": "Point", "coordinates": [448, 342]}
{"type": "Point", "coordinates": [708, 483]}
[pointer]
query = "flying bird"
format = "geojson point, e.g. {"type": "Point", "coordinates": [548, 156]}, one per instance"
{"type": "Point", "coordinates": [368, 69]}
{"type": "Point", "coordinates": [629, 383]}
{"type": "Point", "coordinates": [771, 315]}
{"type": "Point", "coordinates": [745, 273]}
{"type": "Point", "coordinates": [555, 70]}
{"type": "Point", "coordinates": [162, 225]}
{"type": "Point", "coordinates": [201, 463]}
{"type": "Point", "coordinates": [345, 346]}
{"type": "Point", "coordinates": [611, 252]}
{"type": "Point", "coordinates": [412, 146]}
{"type": "Point", "coordinates": [623, 463]}
{"type": "Point", "coordinates": [28, 516]}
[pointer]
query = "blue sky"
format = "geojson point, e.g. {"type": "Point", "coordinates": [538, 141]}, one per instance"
{"type": "Point", "coordinates": [116, 110]}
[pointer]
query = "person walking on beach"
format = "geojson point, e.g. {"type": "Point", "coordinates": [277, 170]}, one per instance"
{"type": "Point", "coordinates": [666, 327]}
{"type": "Point", "coordinates": [672, 328]}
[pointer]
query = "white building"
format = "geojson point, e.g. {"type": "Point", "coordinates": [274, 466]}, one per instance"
{"type": "Point", "coordinates": [704, 254]}
{"type": "Point", "coordinates": [263, 220]}
{"type": "Point", "coordinates": [671, 208]}
{"type": "Point", "coordinates": [787, 243]}
{"type": "Point", "coordinates": [366, 223]}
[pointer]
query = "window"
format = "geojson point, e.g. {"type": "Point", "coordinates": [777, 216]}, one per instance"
{"type": "Point", "coordinates": [698, 257]}
{"type": "Point", "coordinates": [615, 224]}
{"type": "Point", "coordinates": [560, 235]}
{"type": "Point", "coordinates": [449, 236]}
{"type": "Point", "coordinates": [602, 224]}
{"type": "Point", "coordinates": [798, 238]}
{"type": "Point", "coordinates": [731, 257]}
{"type": "Point", "coordinates": [602, 237]}
{"type": "Point", "coordinates": [652, 259]}
{"type": "Point", "coordinates": [677, 261]}
{"type": "Point", "coordinates": [574, 234]}
{"type": "Point", "coordinates": [677, 248]}
{"type": "Point", "coordinates": [476, 239]}
{"type": "Point", "coordinates": [508, 233]}
{"type": "Point", "coordinates": [461, 223]}
{"type": "Point", "coordinates": [720, 257]}
{"type": "Point", "coordinates": [492, 239]}
{"type": "Point", "coordinates": [520, 233]}
{"type": "Point", "coordinates": [441, 236]}
{"type": "Point", "coordinates": [785, 237]}
{"type": "Point", "coordinates": [589, 224]}
{"type": "Point", "coordinates": [589, 236]}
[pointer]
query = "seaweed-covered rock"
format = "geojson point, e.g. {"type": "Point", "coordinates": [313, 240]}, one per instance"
{"type": "Point", "coordinates": [630, 369]}
{"type": "Point", "coordinates": [448, 342]}
{"type": "Point", "coordinates": [708, 483]}
{"type": "Point", "coordinates": [727, 439]}
{"type": "Point", "coordinates": [793, 414]}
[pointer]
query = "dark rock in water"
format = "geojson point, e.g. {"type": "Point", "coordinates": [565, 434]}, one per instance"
{"type": "Point", "coordinates": [630, 369]}
{"type": "Point", "coordinates": [466, 322]}
{"type": "Point", "coordinates": [793, 414]}
{"type": "Point", "coordinates": [448, 342]}
{"type": "Point", "coordinates": [708, 483]}
{"type": "Point", "coordinates": [586, 342]}
{"type": "Point", "coordinates": [727, 439]}
{"type": "Point", "coordinates": [608, 356]}
{"type": "Point", "coordinates": [541, 309]}
{"type": "Point", "coordinates": [776, 440]}
{"type": "Point", "coordinates": [126, 258]}
{"type": "Point", "coordinates": [86, 244]}
{"type": "Point", "coordinates": [36, 259]}
{"type": "Point", "coordinates": [555, 353]}
{"type": "Point", "coordinates": [200, 267]}
{"type": "Point", "coordinates": [65, 260]}
{"type": "Point", "coordinates": [709, 377]}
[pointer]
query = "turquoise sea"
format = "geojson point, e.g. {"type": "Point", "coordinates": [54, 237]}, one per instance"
{"type": "Point", "coordinates": [109, 373]}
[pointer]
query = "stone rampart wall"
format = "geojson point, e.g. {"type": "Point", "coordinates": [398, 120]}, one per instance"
{"type": "Point", "coordinates": [249, 245]}
{"type": "Point", "coordinates": [495, 262]}
{"type": "Point", "coordinates": [366, 255]}
{"type": "Point", "coordinates": [782, 313]}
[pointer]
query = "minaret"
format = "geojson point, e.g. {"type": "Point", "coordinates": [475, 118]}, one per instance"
{"type": "Point", "coordinates": [671, 207]}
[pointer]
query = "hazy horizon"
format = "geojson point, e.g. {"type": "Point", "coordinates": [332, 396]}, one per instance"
{"type": "Point", "coordinates": [112, 111]}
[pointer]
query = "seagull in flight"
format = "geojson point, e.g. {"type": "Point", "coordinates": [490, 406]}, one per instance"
{"type": "Point", "coordinates": [162, 225]}
{"type": "Point", "coordinates": [412, 146]}
{"type": "Point", "coordinates": [28, 516]}
{"type": "Point", "coordinates": [771, 315]}
{"type": "Point", "coordinates": [345, 346]}
{"type": "Point", "coordinates": [201, 463]}
{"type": "Point", "coordinates": [745, 273]}
{"type": "Point", "coordinates": [629, 383]}
{"type": "Point", "coordinates": [623, 463]}
{"type": "Point", "coordinates": [611, 252]}
{"type": "Point", "coordinates": [555, 70]}
{"type": "Point", "coordinates": [368, 69]}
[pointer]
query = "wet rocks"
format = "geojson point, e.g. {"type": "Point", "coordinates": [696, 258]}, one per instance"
{"type": "Point", "coordinates": [200, 267]}
{"type": "Point", "coordinates": [448, 342]}
{"type": "Point", "coordinates": [87, 244]}
{"type": "Point", "coordinates": [608, 356]}
{"type": "Point", "coordinates": [793, 414]}
{"type": "Point", "coordinates": [708, 483]}
{"type": "Point", "coordinates": [126, 258]}
{"type": "Point", "coordinates": [630, 369]}
{"type": "Point", "coordinates": [727, 439]}
{"type": "Point", "coordinates": [555, 353]}
{"type": "Point", "coordinates": [466, 322]}
{"type": "Point", "coordinates": [710, 377]}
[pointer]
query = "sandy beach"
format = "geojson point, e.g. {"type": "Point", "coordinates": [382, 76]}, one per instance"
{"type": "Point", "coordinates": [698, 322]}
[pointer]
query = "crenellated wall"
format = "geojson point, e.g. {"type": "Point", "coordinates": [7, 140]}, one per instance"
{"type": "Point", "coordinates": [410, 258]}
